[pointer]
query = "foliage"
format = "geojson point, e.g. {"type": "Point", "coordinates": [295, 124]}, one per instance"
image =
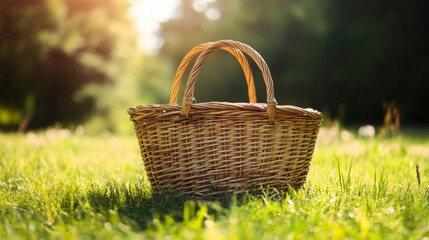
{"type": "Point", "coordinates": [62, 61]}
{"type": "Point", "coordinates": [51, 51]}
{"type": "Point", "coordinates": [344, 57]}
{"type": "Point", "coordinates": [58, 184]}
{"type": "Point", "coordinates": [147, 80]}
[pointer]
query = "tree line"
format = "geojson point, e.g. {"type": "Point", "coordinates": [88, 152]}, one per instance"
{"type": "Point", "coordinates": [61, 60]}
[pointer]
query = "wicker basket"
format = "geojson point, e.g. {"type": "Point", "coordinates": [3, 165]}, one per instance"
{"type": "Point", "coordinates": [204, 149]}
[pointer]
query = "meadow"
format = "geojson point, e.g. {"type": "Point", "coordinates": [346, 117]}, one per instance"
{"type": "Point", "coordinates": [58, 184]}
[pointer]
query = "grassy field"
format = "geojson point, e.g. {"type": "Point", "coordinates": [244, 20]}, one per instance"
{"type": "Point", "coordinates": [62, 186]}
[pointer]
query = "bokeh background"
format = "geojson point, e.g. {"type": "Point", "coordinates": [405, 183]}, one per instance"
{"type": "Point", "coordinates": [70, 63]}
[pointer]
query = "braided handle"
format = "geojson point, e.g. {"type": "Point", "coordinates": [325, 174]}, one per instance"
{"type": "Point", "coordinates": [190, 85]}
{"type": "Point", "coordinates": [196, 50]}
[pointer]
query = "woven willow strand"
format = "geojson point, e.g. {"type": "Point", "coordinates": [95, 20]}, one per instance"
{"type": "Point", "coordinates": [190, 85]}
{"type": "Point", "coordinates": [196, 50]}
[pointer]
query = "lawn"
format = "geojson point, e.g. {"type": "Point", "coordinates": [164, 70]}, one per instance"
{"type": "Point", "coordinates": [60, 185]}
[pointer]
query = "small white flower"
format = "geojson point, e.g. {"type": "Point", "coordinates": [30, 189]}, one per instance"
{"type": "Point", "coordinates": [367, 131]}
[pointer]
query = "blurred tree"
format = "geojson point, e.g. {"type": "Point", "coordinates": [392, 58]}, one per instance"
{"type": "Point", "coordinates": [375, 52]}
{"type": "Point", "coordinates": [50, 51]}
{"type": "Point", "coordinates": [344, 57]}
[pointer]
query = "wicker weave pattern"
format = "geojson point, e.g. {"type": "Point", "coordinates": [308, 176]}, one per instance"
{"type": "Point", "coordinates": [204, 149]}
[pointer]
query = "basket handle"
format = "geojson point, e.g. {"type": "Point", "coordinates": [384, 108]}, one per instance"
{"type": "Point", "coordinates": [196, 50]}
{"type": "Point", "coordinates": [188, 98]}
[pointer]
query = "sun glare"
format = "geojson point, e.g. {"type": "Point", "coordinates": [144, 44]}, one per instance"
{"type": "Point", "coordinates": [147, 15]}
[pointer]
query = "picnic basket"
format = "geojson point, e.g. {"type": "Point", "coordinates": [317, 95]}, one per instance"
{"type": "Point", "coordinates": [209, 148]}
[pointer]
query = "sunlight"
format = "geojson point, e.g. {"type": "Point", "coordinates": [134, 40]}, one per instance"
{"type": "Point", "coordinates": [147, 15]}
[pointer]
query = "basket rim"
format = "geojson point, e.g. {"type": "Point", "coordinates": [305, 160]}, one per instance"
{"type": "Point", "coordinates": [213, 106]}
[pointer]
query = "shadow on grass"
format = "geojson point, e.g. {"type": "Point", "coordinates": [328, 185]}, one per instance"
{"type": "Point", "coordinates": [137, 206]}
{"type": "Point", "coordinates": [134, 202]}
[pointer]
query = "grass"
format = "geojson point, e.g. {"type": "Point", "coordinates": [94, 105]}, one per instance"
{"type": "Point", "coordinates": [62, 186]}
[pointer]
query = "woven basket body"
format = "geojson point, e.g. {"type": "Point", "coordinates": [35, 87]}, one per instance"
{"type": "Point", "coordinates": [203, 149]}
